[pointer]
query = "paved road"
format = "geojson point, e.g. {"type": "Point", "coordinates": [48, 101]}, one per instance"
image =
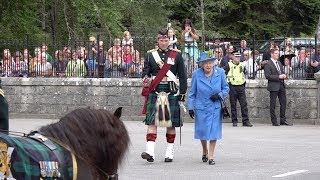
{"type": "Point", "coordinates": [256, 153]}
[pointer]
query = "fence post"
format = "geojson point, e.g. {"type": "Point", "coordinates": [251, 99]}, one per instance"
{"type": "Point", "coordinates": [28, 47]}
{"type": "Point", "coordinates": [317, 78]}
{"type": "Point", "coordinates": [254, 57]}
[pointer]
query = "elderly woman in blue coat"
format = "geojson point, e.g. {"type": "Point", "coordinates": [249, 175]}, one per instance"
{"type": "Point", "coordinates": [209, 87]}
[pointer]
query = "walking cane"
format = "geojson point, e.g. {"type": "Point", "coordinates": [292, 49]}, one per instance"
{"type": "Point", "coordinates": [181, 117]}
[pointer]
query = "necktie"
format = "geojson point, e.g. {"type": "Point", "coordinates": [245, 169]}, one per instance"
{"type": "Point", "coordinates": [278, 67]}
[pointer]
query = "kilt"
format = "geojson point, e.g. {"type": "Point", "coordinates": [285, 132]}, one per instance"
{"type": "Point", "coordinates": [28, 153]}
{"type": "Point", "coordinates": [174, 106]}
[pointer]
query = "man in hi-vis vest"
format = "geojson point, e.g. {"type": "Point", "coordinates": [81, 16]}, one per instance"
{"type": "Point", "coordinates": [235, 71]}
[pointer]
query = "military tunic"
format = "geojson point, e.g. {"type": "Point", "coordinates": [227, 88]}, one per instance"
{"type": "Point", "coordinates": [26, 157]}
{"type": "Point", "coordinates": [150, 69]}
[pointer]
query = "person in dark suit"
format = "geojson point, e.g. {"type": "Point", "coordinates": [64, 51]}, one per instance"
{"type": "Point", "coordinates": [4, 112]}
{"type": "Point", "coordinates": [274, 72]}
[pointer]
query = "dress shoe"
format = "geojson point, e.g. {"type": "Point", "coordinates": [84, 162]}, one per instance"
{"type": "Point", "coordinates": [234, 124]}
{"type": "Point", "coordinates": [275, 124]}
{"type": "Point", "coordinates": [247, 124]}
{"type": "Point", "coordinates": [211, 162]}
{"type": "Point", "coordinates": [204, 158]}
{"type": "Point", "coordinates": [285, 123]}
{"type": "Point", "coordinates": [147, 157]}
{"type": "Point", "coordinates": [168, 160]}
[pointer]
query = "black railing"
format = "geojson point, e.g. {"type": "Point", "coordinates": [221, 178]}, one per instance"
{"type": "Point", "coordinates": [25, 58]}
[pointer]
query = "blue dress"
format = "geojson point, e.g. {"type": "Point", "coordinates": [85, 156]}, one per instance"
{"type": "Point", "coordinates": [208, 117]}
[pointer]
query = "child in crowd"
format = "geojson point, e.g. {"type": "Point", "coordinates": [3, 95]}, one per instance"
{"type": "Point", "coordinates": [127, 39]}
{"type": "Point", "coordinates": [172, 38]}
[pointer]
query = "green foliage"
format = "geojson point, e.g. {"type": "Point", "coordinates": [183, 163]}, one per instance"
{"type": "Point", "coordinates": [19, 17]}
{"type": "Point", "coordinates": [64, 21]}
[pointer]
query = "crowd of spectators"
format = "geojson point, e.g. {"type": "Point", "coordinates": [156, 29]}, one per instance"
{"type": "Point", "coordinates": [299, 62]}
{"type": "Point", "coordinates": [93, 60]}
{"type": "Point", "coordinates": [123, 60]}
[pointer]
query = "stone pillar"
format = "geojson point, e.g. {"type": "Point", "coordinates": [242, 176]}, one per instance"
{"type": "Point", "coordinates": [317, 77]}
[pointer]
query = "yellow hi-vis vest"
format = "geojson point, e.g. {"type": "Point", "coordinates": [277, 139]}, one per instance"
{"type": "Point", "coordinates": [235, 74]}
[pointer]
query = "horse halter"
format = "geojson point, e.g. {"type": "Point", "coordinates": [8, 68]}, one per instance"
{"type": "Point", "coordinates": [112, 177]}
{"type": "Point", "coordinates": [74, 159]}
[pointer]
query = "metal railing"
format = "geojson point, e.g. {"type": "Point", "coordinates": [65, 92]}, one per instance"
{"type": "Point", "coordinates": [25, 58]}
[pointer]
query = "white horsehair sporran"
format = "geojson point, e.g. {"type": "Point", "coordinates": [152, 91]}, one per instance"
{"type": "Point", "coordinates": [163, 115]}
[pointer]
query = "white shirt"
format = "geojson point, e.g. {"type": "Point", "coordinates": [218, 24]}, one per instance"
{"type": "Point", "coordinates": [276, 64]}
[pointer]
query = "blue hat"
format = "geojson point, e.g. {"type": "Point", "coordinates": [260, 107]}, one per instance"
{"type": "Point", "coordinates": [204, 56]}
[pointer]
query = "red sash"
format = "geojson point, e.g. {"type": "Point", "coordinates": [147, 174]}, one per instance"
{"type": "Point", "coordinates": [163, 71]}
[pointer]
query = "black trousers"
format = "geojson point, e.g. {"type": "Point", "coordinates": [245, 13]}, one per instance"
{"type": "Point", "coordinates": [4, 115]}
{"type": "Point", "coordinates": [238, 93]}
{"type": "Point", "coordinates": [281, 94]}
{"type": "Point", "coordinates": [101, 70]}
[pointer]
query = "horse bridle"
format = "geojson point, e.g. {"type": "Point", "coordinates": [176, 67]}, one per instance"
{"type": "Point", "coordinates": [74, 162]}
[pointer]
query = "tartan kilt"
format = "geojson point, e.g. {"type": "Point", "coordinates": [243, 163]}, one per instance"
{"type": "Point", "coordinates": [174, 106]}
{"type": "Point", "coordinates": [28, 153]}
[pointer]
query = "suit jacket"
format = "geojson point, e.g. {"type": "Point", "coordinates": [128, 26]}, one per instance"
{"type": "Point", "coordinates": [271, 73]}
{"type": "Point", "coordinates": [4, 112]}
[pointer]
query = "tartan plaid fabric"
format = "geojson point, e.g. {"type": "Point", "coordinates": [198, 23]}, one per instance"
{"type": "Point", "coordinates": [174, 106]}
{"type": "Point", "coordinates": [27, 154]}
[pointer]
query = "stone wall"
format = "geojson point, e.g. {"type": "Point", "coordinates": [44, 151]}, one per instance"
{"type": "Point", "coordinates": [53, 97]}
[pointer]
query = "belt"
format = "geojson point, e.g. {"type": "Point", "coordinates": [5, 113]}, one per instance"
{"type": "Point", "coordinates": [189, 42]}
{"type": "Point", "coordinates": [164, 79]}
{"type": "Point", "coordinates": [237, 85]}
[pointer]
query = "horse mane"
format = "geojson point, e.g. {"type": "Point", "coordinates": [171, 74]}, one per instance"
{"type": "Point", "coordinates": [95, 136]}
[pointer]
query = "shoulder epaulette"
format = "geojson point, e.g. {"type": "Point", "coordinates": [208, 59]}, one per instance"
{"type": "Point", "coordinates": [152, 50]}
{"type": "Point", "coordinates": [176, 50]}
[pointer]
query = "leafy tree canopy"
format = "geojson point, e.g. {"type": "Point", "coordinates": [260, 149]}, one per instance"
{"type": "Point", "coordinates": [67, 20]}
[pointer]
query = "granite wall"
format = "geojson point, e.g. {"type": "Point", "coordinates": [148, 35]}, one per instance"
{"type": "Point", "coordinates": [54, 97]}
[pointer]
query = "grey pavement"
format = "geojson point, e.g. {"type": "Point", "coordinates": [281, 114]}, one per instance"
{"type": "Point", "coordinates": [260, 152]}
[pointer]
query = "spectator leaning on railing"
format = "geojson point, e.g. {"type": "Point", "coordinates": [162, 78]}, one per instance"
{"type": "Point", "coordinates": [92, 57]}
{"type": "Point", "coordinates": [60, 64]}
{"type": "Point", "coordinates": [7, 64]}
{"type": "Point", "coordinates": [114, 57]}
{"type": "Point", "coordinates": [20, 66]}
{"type": "Point", "coordinates": [42, 68]}
{"type": "Point", "coordinates": [315, 59]}
{"type": "Point", "coordinates": [77, 67]}
{"type": "Point", "coordinates": [102, 56]}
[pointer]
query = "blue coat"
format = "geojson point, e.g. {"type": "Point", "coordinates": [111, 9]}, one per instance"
{"type": "Point", "coordinates": [208, 117]}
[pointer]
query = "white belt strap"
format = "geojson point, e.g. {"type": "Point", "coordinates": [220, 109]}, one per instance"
{"type": "Point", "coordinates": [160, 64]}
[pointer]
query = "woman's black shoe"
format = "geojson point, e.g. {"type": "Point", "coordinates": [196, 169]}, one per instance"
{"type": "Point", "coordinates": [211, 162]}
{"type": "Point", "coordinates": [204, 158]}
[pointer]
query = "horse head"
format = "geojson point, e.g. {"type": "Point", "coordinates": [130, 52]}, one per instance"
{"type": "Point", "coordinates": [96, 137]}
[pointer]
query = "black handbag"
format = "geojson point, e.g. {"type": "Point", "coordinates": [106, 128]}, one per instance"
{"type": "Point", "coordinates": [224, 110]}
